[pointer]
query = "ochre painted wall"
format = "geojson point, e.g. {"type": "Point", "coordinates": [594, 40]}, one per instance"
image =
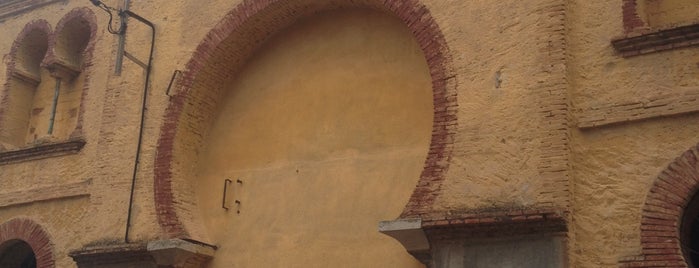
{"type": "Point", "coordinates": [328, 126]}
{"type": "Point", "coordinates": [361, 169]}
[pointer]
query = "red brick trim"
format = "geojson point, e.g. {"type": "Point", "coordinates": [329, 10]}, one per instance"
{"type": "Point", "coordinates": [656, 41]}
{"type": "Point", "coordinates": [34, 235]}
{"type": "Point", "coordinates": [662, 212]}
{"type": "Point", "coordinates": [417, 18]}
{"type": "Point", "coordinates": [495, 223]}
{"type": "Point", "coordinates": [86, 15]}
{"type": "Point", "coordinates": [632, 20]}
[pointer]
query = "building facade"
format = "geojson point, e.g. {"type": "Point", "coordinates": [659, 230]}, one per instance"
{"type": "Point", "coordinates": [349, 133]}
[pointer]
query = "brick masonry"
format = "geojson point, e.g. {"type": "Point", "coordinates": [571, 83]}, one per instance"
{"type": "Point", "coordinates": [661, 216]}
{"type": "Point", "coordinates": [34, 235]}
{"type": "Point", "coordinates": [632, 20]}
{"type": "Point", "coordinates": [646, 42]}
{"type": "Point", "coordinates": [249, 19]}
{"type": "Point", "coordinates": [497, 224]}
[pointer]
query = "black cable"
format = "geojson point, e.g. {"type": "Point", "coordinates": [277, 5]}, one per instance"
{"type": "Point", "coordinates": [109, 10]}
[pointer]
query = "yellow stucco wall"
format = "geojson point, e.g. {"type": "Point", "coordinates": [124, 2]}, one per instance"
{"type": "Point", "coordinates": [614, 167]}
{"type": "Point", "coordinates": [328, 127]}
{"type": "Point", "coordinates": [499, 54]}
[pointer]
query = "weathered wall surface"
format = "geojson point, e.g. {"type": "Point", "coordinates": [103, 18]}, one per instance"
{"type": "Point", "coordinates": [511, 147]}
{"type": "Point", "coordinates": [615, 166]}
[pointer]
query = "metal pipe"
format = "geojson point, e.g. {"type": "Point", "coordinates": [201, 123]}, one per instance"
{"type": "Point", "coordinates": [125, 13]}
{"type": "Point", "coordinates": [56, 91]}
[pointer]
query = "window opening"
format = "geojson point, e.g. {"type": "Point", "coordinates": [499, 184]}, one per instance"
{"type": "Point", "coordinates": [17, 253]}
{"type": "Point", "coordinates": [689, 232]}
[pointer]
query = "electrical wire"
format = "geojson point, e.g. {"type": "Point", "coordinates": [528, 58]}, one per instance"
{"type": "Point", "coordinates": [109, 11]}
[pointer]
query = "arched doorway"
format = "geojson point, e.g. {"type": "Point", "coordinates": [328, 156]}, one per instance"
{"type": "Point", "coordinates": [17, 253]}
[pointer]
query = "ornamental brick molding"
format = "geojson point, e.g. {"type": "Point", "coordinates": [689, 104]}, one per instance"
{"type": "Point", "coordinates": [253, 21]}
{"type": "Point", "coordinates": [656, 41]}
{"type": "Point", "coordinates": [662, 212]}
{"type": "Point", "coordinates": [34, 235]}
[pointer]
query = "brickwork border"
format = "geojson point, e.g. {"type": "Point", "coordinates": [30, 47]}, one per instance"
{"type": "Point", "coordinates": [661, 217]}
{"type": "Point", "coordinates": [416, 17]}
{"type": "Point", "coordinates": [34, 235]}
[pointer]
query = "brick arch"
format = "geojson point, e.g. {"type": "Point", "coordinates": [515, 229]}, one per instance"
{"type": "Point", "coordinates": [86, 15]}
{"type": "Point", "coordinates": [253, 21]}
{"type": "Point", "coordinates": [34, 235]}
{"type": "Point", "coordinates": [662, 213]}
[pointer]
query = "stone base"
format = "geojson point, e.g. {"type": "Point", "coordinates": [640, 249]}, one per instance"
{"type": "Point", "coordinates": [176, 253]}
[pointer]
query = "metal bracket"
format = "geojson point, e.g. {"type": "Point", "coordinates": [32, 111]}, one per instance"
{"type": "Point", "coordinates": [225, 189]}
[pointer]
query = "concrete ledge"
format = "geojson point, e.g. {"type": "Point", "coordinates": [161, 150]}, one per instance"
{"type": "Point", "coordinates": [113, 255]}
{"type": "Point", "coordinates": [656, 41]}
{"type": "Point", "coordinates": [174, 253]}
{"type": "Point", "coordinates": [41, 151]}
{"type": "Point", "coordinates": [410, 234]}
{"type": "Point", "coordinates": [179, 252]}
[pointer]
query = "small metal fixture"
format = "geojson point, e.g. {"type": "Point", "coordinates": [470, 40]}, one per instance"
{"type": "Point", "coordinates": [225, 190]}
{"type": "Point", "coordinates": [175, 74]}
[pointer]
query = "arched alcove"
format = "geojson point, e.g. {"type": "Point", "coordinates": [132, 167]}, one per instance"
{"type": "Point", "coordinates": [225, 91]}
{"type": "Point", "coordinates": [68, 62]}
{"type": "Point", "coordinates": [24, 80]}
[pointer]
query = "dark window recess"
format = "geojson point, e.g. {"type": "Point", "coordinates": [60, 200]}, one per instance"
{"type": "Point", "coordinates": [689, 232]}
{"type": "Point", "coordinates": [17, 253]}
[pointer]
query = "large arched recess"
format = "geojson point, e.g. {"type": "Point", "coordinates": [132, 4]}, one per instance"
{"type": "Point", "coordinates": [227, 48]}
